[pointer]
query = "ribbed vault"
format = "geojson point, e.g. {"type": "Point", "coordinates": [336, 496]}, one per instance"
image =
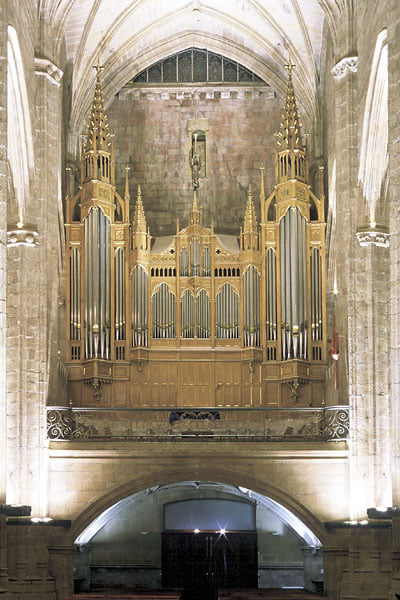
{"type": "Point", "coordinates": [129, 35]}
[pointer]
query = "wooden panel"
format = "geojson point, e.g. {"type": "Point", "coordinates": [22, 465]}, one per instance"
{"type": "Point", "coordinates": [75, 392]}
{"type": "Point", "coordinates": [272, 394]}
{"type": "Point", "coordinates": [120, 390]}
{"type": "Point", "coordinates": [88, 398]}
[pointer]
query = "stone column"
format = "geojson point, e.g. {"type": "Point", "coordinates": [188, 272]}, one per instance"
{"type": "Point", "coordinates": [362, 312]}
{"type": "Point", "coordinates": [347, 319]}
{"type": "Point", "coordinates": [3, 248]}
{"type": "Point", "coordinates": [394, 196]}
{"type": "Point", "coordinates": [34, 254]}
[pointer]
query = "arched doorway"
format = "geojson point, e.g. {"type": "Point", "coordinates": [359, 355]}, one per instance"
{"type": "Point", "coordinates": [142, 540]}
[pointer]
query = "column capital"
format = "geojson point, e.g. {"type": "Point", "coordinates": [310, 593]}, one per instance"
{"type": "Point", "coordinates": [21, 235]}
{"type": "Point", "coordinates": [46, 68]}
{"type": "Point", "coordinates": [348, 64]}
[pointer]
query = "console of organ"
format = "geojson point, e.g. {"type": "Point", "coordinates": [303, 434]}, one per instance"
{"type": "Point", "coordinates": [196, 288]}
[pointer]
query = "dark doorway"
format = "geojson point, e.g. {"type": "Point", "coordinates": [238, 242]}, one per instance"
{"type": "Point", "coordinates": [188, 558]}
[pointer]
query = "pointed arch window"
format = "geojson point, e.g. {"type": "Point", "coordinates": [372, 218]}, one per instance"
{"type": "Point", "coordinates": [374, 142]}
{"type": "Point", "coordinates": [196, 65]}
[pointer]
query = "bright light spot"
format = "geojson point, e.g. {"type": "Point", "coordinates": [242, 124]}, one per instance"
{"type": "Point", "coordinates": [222, 531]}
{"type": "Point", "coordinates": [41, 520]}
{"type": "Point", "coordinates": [373, 224]}
{"type": "Point", "coordinates": [19, 225]}
{"type": "Point", "coordinates": [381, 508]}
{"type": "Point", "coordinates": [196, 531]}
{"type": "Point", "coordinates": [335, 291]}
{"type": "Point", "coordinates": [364, 522]}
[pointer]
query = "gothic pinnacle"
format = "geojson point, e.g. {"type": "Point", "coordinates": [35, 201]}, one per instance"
{"type": "Point", "coordinates": [250, 221]}
{"type": "Point", "coordinates": [97, 127]}
{"type": "Point", "coordinates": [139, 220]}
{"type": "Point", "coordinates": [289, 136]}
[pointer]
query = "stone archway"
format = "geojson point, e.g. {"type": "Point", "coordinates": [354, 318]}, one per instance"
{"type": "Point", "coordinates": [105, 508]}
{"type": "Point", "coordinates": [226, 476]}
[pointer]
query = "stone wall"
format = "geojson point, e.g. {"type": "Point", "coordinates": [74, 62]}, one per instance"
{"type": "Point", "coordinates": [153, 136]}
{"type": "Point", "coordinates": [310, 481]}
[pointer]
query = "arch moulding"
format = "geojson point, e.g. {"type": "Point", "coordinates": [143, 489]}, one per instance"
{"type": "Point", "coordinates": [200, 473]}
{"type": "Point", "coordinates": [128, 61]}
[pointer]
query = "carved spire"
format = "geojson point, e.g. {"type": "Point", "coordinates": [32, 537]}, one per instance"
{"type": "Point", "coordinates": [250, 229]}
{"type": "Point", "coordinates": [139, 227]}
{"type": "Point", "coordinates": [139, 220]}
{"type": "Point", "coordinates": [289, 136]}
{"type": "Point", "coordinates": [291, 157]}
{"type": "Point", "coordinates": [97, 127]}
{"type": "Point", "coordinates": [195, 213]}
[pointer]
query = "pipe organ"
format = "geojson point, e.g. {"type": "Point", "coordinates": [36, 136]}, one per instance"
{"type": "Point", "coordinates": [196, 302]}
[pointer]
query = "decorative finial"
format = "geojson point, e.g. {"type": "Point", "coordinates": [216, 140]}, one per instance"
{"type": "Point", "coordinates": [68, 182]}
{"type": "Point", "coordinates": [98, 67]}
{"type": "Point", "coordinates": [289, 66]}
{"type": "Point", "coordinates": [262, 189]}
{"type": "Point", "coordinates": [139, 225]}
{"type": "Point", "coordinates": [321, 183]}
{"type": "Point", "coordinates": [127, 169]}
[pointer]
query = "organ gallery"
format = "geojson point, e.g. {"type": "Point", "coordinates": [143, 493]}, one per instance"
{"type": "Point", "coordinates": [196, 319]}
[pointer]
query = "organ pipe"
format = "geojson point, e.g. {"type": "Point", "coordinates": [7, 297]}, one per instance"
{"type": "Point", "coordinates": [293, 273]}
{"type": "Point", "coordinates": [139, 307]}
{"type": "Point", "coordinates": [187, 315]}
{"type": "Point", "coordinates": [97, 284]}
{"type": "Point", "coordinates": [251, 291]}
{"type": "Point", "coordinates": [206, 260]}
{"type": "Point", "coordinates": [271, 320]}
{"type": "Point", "coordinates": [316, 295]}
{"type": "Point", "coordinates": [227, 313]}
{"type": "Point", "coordinates": [195, 258]}
{"type": "Point", "coordinates": [203, 315]}
{"type": "Point", "coordinates": [75, 289]}
{"type": "Point", "coordinates": [184, 263]}
{"type": "Point", "coordinates": [163, 313]}
{"type": "Point", "coordinates": [120, 311]}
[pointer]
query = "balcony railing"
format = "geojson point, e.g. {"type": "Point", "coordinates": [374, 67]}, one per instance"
{"type": "Point", "coordinates": [217, 423]}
